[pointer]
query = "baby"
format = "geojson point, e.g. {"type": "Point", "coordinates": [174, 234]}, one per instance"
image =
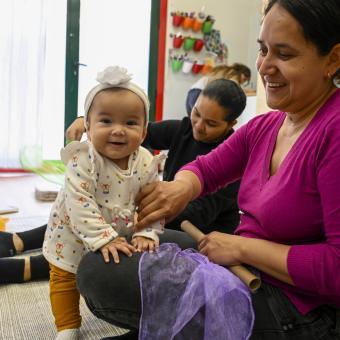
{"type": "Point", "coordinates": [95, 209]}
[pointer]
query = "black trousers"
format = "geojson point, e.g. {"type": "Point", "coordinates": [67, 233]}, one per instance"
{"type": "Point", "coordinates": [112, 293]}
{"type": "Point", "coordinates": [276, 318]}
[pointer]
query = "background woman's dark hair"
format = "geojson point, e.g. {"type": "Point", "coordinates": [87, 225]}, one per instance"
{"type": "Point", "coordinates": [320, 20]}
{"type": "Point", "coordinates": [228, 95]}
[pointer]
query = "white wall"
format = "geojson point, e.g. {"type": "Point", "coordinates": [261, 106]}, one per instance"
{"type": "Point", "coordinates": [238, 21]}
{"type": "Point", "coordinates": [248, 113]}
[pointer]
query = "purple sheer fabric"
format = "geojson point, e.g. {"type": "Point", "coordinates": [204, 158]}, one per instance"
{"type": "Point", "coordinates": [186, 297]}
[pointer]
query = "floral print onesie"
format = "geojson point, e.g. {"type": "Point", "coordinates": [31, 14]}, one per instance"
{"type": "Point", "coordinates": [96, 204]}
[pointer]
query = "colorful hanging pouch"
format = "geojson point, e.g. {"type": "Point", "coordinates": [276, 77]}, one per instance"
{"type": "Point", "coordinates": [187, 22]}
{"type": "Point", "coordinates": [187, 66]}
{"type": "Point", "coordinates": [206, 68]}
{"type": "Point", "coordinates": [199, 43]}
{"type": "Point", "coordinates": [189, 43]}
{"type": "Point", "coordinates": [176, 65]}
{"type": "Point", "coordinates": [177, 20]}
{"type": "Point", "coordinates": [207, 27]}
{"type": "Point", "coordinates": [196, 68]}
{"type": "Point", "coordinates": [213, 42]}
{"type": "Point", "coordinates": [177, 41]}
{"type": "Point", "coordinates": [197, 25]}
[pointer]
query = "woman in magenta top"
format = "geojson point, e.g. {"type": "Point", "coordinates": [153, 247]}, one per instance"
{"type": "Point", "coordinates": [296, 204]}
{"type": "Point", "coordinates": [289, 164]}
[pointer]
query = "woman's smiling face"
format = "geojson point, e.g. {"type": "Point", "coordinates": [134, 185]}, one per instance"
{"type": "Point", "coordinates": [292, 70]}
{"type": "Point", "coordinates": [208, 120]}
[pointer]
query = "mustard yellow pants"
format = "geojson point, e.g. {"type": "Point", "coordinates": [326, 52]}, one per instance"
{"type": "Point", "coordinates": [64, 298]}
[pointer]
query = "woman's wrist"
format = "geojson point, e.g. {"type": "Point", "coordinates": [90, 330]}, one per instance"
{"type": "Point", "coordinates": [266, 256]}
{"type": "Point", "coordinates": [241, 251]}
{"type": "Point", "coordinates": [187, 188]}
{"type": "Point", "coordinates": [191, 183]}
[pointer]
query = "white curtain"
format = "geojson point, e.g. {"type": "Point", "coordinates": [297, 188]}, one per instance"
{"type": "Point", "coordinates": [113, 32]}
{"type": "Point", "coordinates": [32, 69]}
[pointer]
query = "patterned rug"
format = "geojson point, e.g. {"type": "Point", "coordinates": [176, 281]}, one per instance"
{"type": "Point", "coordinates": [25, 313]}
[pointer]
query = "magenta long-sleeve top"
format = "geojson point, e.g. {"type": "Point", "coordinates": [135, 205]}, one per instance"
{"type": "Point", "coordinates": [298, 206]}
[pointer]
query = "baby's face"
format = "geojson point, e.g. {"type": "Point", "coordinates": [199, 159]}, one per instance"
{"type": "Point", "coordinates": [117, 124]}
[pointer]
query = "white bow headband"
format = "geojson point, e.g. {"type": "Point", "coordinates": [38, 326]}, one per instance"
{"type": "Point", "coordinates": [115, 76]}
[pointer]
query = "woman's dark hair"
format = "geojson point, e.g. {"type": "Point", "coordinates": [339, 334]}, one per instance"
{"type": "Point", "coordinates": [319, 19]}
{"type": "Point", "coordinates": [228, 95]}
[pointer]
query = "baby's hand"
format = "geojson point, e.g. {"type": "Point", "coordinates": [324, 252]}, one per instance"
{"type": "Point", "coordinates": [118, 244]}
{"type": "Point", "coordinates": [142, 244]}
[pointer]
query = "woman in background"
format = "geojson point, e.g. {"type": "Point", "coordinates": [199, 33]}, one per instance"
{"type": "Point", "coordinates": [237, 72]}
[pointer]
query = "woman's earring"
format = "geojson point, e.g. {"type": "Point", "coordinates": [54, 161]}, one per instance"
{"type": "Point", "coordinates": [336, 79]}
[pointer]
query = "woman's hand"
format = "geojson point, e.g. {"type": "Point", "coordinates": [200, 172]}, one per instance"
{"type": "Point", "coordinates": [143, 244]}
{"type": "Point", "coordinates": [76, 130]}
{"type": "Point", "coordinates": [118, 244]}
{"type": "Point", "coordinates": [221, 248]}
{"type": "Point", "coordinates": [266, 256]}
{"type": "Point", "coordinates": [160, 200]}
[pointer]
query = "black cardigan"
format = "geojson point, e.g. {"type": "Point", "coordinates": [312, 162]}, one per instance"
{"type": "Point", "coordinates": [217, 211]}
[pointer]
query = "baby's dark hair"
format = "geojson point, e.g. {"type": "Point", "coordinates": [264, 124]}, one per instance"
{"type": "Point", "coordinates": [228, 95]}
